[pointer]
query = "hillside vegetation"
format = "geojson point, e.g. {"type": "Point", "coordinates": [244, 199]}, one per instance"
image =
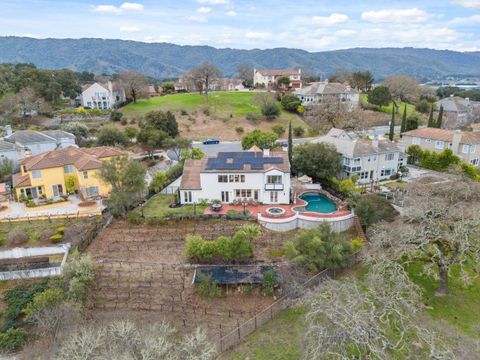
{"type": "Point", "coordinates": [163, 60]}
{"type": "Point", "coordinates": [223, 116]}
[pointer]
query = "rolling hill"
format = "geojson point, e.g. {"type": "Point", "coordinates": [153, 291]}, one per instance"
{"type": "Point", "coordinates": [164, 60]}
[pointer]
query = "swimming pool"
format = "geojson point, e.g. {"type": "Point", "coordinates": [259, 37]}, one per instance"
{"type": "Point", "coordinates": [318, 203]}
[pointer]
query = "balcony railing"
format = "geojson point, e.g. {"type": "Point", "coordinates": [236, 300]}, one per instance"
{"type": "Point", "coordinates": [271, 187]}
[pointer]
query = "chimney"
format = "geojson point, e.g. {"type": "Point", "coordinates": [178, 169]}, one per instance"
{"type": "Point", "coordinates": [375, 141]}
{"type": "Point", "coordinates": [8, 129]}
{"type": "Point", "coordinates": [467, 101]}
{"type": "Point", "coordinates": [27, 152]}
{"type": "Point", "coordinates": [266, 151]}
{"type": "Point", "coordinates": [457, 137]}
{"type": "Point", "coordinates": [110, 88]}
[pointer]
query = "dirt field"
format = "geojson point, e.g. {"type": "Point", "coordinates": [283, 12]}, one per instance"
{"type": "Point", "coordinates": [143, 275]}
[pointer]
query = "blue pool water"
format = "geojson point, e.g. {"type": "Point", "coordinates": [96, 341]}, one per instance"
{"type": "Point", "coordinates": [318, 203]}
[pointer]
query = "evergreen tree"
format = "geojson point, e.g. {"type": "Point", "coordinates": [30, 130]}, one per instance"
{"type": "Point", "coordinates": [290, 145]}
{"type": "Point", "coordinates": [392, 124]}
{"type": "Point", "coordinates": [440, 117]}
{"type": "Point", "coordinates": [431, 123]}
{"type": "Point", "coordinates": [404, 120]}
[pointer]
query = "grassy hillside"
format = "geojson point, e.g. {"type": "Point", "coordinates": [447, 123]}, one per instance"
{"type": "Point", "coordinates": [281, 338]}
{"type": "Point", "coordinates": [388, 109]}
{"type": "Point", "coordinates": [217, 117]}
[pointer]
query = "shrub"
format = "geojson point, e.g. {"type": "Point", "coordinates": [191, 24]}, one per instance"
{"type": "Point", "coordinates": [124, 121]}
{"type": "Point", "coordinates": [423, 106]}
{"type": "Point", "coordinates": [298, 131]}
{"type": "Point", "coordinates": [270, 111]}
{"type": "Point", "coordinates": [183, 112]}
{"type": "Point", "coordinates": [61, 230]}
{"type": "Point", "coordinates": [278, 129]}
{"type": "Point", "coordinates": [319, 248]}
{"type": "Point", "coordinates": [116, 116]}
{"type": "Point", "coordinates": [253, 117]}
{"type": "Point", "coordinates": [56, 238]}
{"type": "Point", "coordinates": [78, 275]}
{"type": "Point", "coordinates": [268, 282]}
{"type": "Point", "coordinates": [374, 208]}
{"type": "Point", "coordinates": [23, 198]}
{"type": "Point", "coordinates": [30, 203]}
{"type": "Point", "coordinates": [290, 102]}
{"type": "Point", "coordinates": [247, 289]}
{"type": "Point", "coordinates": [206, 111]}
{"type": "Point", "coordinates": [357, 243]}
{"type": "Point", "coordinates": [134, 218]}
{"type": "Point", "coordinates": [42, 300]}
{"type": "Point", "coordinates": [159, 181]}
{"type": "Point", "coordinates": [130, 132]}
{"type": "Point", "coordinates": [207, 287]}
{"type": "Point", "coordinates": [12, 340]}
{"type": "Point", "coordinates": [200, 250]}
{"type": "Point", "coordinates": [3, 240]}
{"type": "Point", "coordinates": [234, 214]}
{"type": "Point", "coordinates": [239, 130]}
{"type": "Point", "coordinates": [17, 237]}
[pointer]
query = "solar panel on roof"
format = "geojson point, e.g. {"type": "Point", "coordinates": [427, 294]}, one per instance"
{"type": "Point", "coordinates": [237, 161]}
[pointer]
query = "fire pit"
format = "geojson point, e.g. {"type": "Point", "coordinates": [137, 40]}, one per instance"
{"type": "Point", "coordinates": [275, 211]}
{"type": "Point", "coordinates": [216, 207]}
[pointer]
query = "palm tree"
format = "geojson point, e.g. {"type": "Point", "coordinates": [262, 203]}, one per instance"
{"type": "Point", "coordinates": [250, 231]}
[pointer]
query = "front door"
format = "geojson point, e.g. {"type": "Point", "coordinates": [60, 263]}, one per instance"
{"type": "Point", "coordinates": [225, 197]}
{"type": "Point", "coordinates": [274, 196]}
{"type": "Point", "coordinates": [57, 190]}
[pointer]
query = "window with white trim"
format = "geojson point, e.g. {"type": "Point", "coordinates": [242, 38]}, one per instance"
{"type": "Point", "coordinates": [465, 149]}
{"type": "Point", "coordinates": [389, 157]}
{"type": "Point", "coordinates": [85, 175]}
{"type": "Point", "coordinates": [439, 144]}
{"type": "Point", "coordinates": [68, 169]}
{"type": "Point", "coordinates": [274, 179]}
{"type": "Point", "coordinates": [473, 149]}
{"type": "Point", "coordinates": [222, 178]}
{"type": "Point", "coordinates": [415, 140]}
{"type": "Point", "coordinates": [36, 174]}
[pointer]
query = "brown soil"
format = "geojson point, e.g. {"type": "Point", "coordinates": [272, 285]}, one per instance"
{"type": "Point", "coordinates": [144, 275]}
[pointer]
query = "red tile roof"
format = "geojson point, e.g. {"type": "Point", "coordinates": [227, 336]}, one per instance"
{"type": "Point", "coordinates": [468, 137]}
{"type": "Point", "coordinates": [21, 181]}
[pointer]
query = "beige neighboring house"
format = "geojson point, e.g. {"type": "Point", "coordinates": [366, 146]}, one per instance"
{"type": "Point", "coordinates": [458, 112]}
{"type": "Point", "coordinates": [464, 144]}
{"type": "Point", "coordinates": [371, 160]}
{"type": "Point", "coordinates": [269, 78]}
{"type": "Point", "coordinates": [226, 84]}
{"type": "Point", "coordinates": [322, 91]}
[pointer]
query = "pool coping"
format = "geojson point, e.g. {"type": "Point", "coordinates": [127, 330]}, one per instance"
{"type": "Point", "coordinates": [342, 207]}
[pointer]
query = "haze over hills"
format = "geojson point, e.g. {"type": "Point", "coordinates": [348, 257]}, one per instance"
{"type": "Point", "coordinates": [164, 60]}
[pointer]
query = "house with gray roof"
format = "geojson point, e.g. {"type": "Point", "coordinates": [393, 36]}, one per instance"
{"type": "Point", "coordinates": [458, 112]}
{"type": "Point", "coordinates": [371, 159]}
{"type": "Point", "coordinates": [323, 91]}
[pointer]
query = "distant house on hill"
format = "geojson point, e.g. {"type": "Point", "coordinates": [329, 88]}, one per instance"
{"type": "Point", "coordinates": [269, 78]}
{"type": "Point", "coordinates": [458, 111]}
{"type": "Point", "coordinates": [153, 90]}
{"type": "Point", "coordinates": [102, 96]}
{"type": "Point", "coordinates": [318, 92]}
{"type": "Point", "coordinates": [226, 84]}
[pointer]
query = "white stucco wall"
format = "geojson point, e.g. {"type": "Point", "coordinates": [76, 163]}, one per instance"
{"type": "Point", "coordinates": [97, 97]}
{"type": "Point", "coordinates": [212, 189]}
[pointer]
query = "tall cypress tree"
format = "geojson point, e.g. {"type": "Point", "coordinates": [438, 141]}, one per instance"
{"type": "Point", "coordinates": [392, 124]}
{"type": "Point", "coordinates": [290, 145]}
{"type": "Point", "coordinates": [431, 123]}
{"type": "Point", "coordinates": [440, 117]}
{"type": "Point", "coordinates": [403, 127]}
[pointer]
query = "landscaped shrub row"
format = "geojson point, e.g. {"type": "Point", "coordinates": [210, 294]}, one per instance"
{"type": "Point", "coordinates": [237, 248]}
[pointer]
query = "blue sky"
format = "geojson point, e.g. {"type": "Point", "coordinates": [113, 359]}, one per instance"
{"type": "Point", "coordinates": [313, 25]}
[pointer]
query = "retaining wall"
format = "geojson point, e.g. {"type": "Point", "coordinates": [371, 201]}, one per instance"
{"type": "Point", "coordinates": [338, 224]}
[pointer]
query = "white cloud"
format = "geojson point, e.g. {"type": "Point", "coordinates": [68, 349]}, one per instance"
{"type": "Point", "coordinates": [231, 13]}
{"type": "Point", "coordinates": [111, 9]}
{"type": "Point", "coordinates": [256, 35]}
{"type": "Point", "coordinates": [332, 19]}
{"type": "Point", "coordinates": [473, 4]}
{"type": "Point", "coordinates": [204, 10]}
{"type": "Point", "coordinates": [320, 43]}
{"type": "Point", "coordinates": [214, 2]}
{"type": "Point", "coordinates": [129, 29]}
{"type": "Point", "coordinates": [131, 6]}
{"type": "Point", "coordinates": [197, 18]}
{"type": "Point", "coordinates": [398, 16]}
{"type": "Point", "coordinates": [345, 32]}
{"type": "Point", "coordinates": [106, 9]}
{"type": "Point", "coordinates": [469, 20]}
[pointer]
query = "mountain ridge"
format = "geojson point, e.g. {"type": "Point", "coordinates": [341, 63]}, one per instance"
{"type": "Point", "coordinates": [166, 60]}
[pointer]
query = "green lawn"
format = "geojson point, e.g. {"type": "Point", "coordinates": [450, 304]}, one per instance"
{"type": "Point", "coordinates": [157, 207]}
{"type": "Point", "coordinates": [388, 109]}
{"type": "Point", "coordinates": [33, 229]}
{"type": "Point", "coordinates": [236, 103]}
{"type": "Point", "coordinates": [460, 308]}
{"type": "Point", "coordinates": [281, 338]}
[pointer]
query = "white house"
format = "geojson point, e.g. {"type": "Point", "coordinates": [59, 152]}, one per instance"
{"type": "Point", "coordinates": [269, 78]}
{"type": "Point", "coordinates": [371, 160]}
{"type": "Point", "coordinates": [318, 92]}
{"type": "Point", "coordinates": [258, 175]}
{"type": "Point", "coordinates": [102, 96]}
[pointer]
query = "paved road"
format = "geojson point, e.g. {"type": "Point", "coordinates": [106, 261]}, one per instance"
{"type": "Point", "coordinates": [226, 146]}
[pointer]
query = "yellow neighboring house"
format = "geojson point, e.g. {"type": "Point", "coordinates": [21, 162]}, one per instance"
{"type": "Point", "coordinates": [45, 175]}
